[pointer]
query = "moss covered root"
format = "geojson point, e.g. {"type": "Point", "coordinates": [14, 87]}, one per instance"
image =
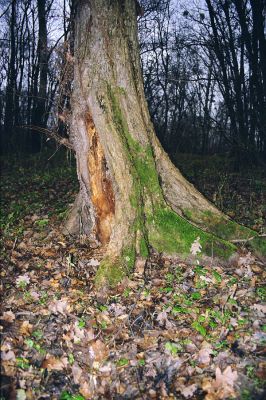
{"type": "Point", "coordinates": [170, 233]}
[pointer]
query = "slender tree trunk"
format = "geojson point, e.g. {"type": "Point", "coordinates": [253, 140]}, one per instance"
{"type": "Point", "coordinates": [10, 109]}
{"type": "Point", "coordinates": [132, 199]}
{"type": "Point", "coordinates": [39, 111]}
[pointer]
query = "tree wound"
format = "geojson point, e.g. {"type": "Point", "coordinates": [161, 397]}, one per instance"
{"type": "Point", "coordinates": [102, 194]}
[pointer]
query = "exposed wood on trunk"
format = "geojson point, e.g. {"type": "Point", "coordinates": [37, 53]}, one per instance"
{"type": "Point", "coordinates": [102, 194]}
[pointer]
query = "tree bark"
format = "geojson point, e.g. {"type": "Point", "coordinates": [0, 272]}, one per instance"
{"type": "Point", "coordinates": [132, 199]}
{"type": "Point", "coordinates": [39, 111]}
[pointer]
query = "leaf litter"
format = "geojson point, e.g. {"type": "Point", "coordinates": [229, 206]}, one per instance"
{"type": "Point", "coordinates": [170, 331]}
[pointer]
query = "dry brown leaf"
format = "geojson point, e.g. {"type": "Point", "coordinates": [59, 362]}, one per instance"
{"type": "Point", "coordinates": [226, 378]}
{"type": "Point", "coordinates": [98, 351]}
{"type": "Point", "coordinates": [204, 356]}
{"type": "Point", "coordinates": [59, 306]}
{"type": "Point", "coordinates": [188, 391]}
{"type": "Point", "coordinates": [259, 307]}
{"type": "Point", "coordinates": [53, 363]}
{"type": "Point", "coordinates": [140, 265]}
{"type": "Point", "coordinates": [8, 355]}
{"type": "Point", "coordinates": [26, 328]}
{"type": "Point", "coordinates": [76, 372]}
{"type": "Point", "coordinates": [162, 318]}
{"type": "Point", "coordinates": [8, 316]}
{"type": "Point", "coordinates": [87, 390]}
{"type": "Point", "coordinates": [222, 387]}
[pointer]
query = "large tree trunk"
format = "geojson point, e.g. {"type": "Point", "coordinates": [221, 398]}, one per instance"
{"type": "Point", "coordinates": [132, 199]}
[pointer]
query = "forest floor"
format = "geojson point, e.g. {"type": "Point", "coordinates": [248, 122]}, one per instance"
{"type": "Point", "coordinates": [173, 331]}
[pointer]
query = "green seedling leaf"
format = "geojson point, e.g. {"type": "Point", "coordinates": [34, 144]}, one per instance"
{"type": "Point", "coordinates": [37, 334]}
{"type": "Point", "coordinates": [71, 359]}
{"type": "Point", "coordinates": [199, 328]}
{"type": "Point", "coordinates": [65, 395]}
{"type": "Point", "coordinates": [217, 276]}
{"type": "Point", "coordinates": [102, 307]}
{"type": "Point", "coordinates": [200, 270]}
{"type": "Point", "coordinates": [122, 362]}
{"type": "Point", "coordinates": [22, 363]}
{"type": "Point", "coordinates": [29, 342]}
{"type": "Point", "coordinates": [141, 362]}
{"type": "Point", "coordinates": [195, 296]}
{"type": "Point", "coordinates": [173, 348]}
{"type": "Point", "coordinates": [42, 222]}
{"type": "Point", "coordinates": [261, 292]}
{"type": "Point", "coordinates": [81, 323]}
{"type": "Point", "coordinates": [179, 309]}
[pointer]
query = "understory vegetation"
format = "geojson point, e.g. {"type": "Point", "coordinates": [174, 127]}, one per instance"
{"type": "Point", "coordinates": [169, 330]}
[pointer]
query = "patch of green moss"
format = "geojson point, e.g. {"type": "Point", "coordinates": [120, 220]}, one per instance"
{"type": "Point", "coordinates": [258, 244]}
{"type": "Point", "coordinates": [225, 228]}
{"type": "Point", "coordinates": [169, 233]}
{"type": "Point", "coordinates": [144, 251]}
{"type": "Point", "coordinates": [129, 257]}
{"type": "Point", "coordinates": [110, 273]}
{"type": "Point", "coordinates": [219, 226]}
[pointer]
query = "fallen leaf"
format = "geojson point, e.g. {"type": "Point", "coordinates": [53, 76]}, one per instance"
{"type": "Point", "coordinates": [162, 318]}
{"type": "Point", "coordinates": [227, 378]}
{"type": "Point", "coordinates": [21, 394]}
{"type": "Point", "coordinates": [8, 356]}
{"type": "Point", "coordinates": [76, 372]}
{"type": "Point", "coordinates": [196, 247]}
{"type": "Point", "coordinates": [26, 328]}
{"type": "Point", "coordinates": [259, 307]}
{"type": "Point", "coordinates": [204, 356]}
{"type": "Point", "coordinates": [8, 316]}
{"type": "Point", "coordinates": [189, 391]}
{"type": "Point", "coordinates": [53, 363]}
{"type": "Point", "coordinates": [98, 351]}
{"type": "Point", "coordinates": [93, 263]}
{"type": "Point", "coordinates": [59, 306]}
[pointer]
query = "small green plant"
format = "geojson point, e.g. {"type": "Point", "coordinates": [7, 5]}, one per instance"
{"type": "Point", "coordinates": [173, 348]}
{"type": "Point", "coordinates": [169, 278]}
{"type": "Point", "coordinates": [199, 270]}
{"type": "Point", "coordinates": [195, 296]}
{"type": "Point", "coordinates": [261, 292]}
{"type": "Point", "coordinates": [141, 362]}
{"type": "Point", "coordinates": [43, 298]}
{"type": "Point", "coordinates": [37, 334]}
{"type": "Point", "coordinates": [199, 328]}
{"type": "Point", "coordinates": [22, 363]}
{"type": "Point", "coordinates": [65, 395]}
{"type": "Point", "coordinates": [81, 323]}
{"type": "Point", "coordinates": [103, 325]}
{"type": "Point", "coordinates": [103, 308]}
{"type": "Point", "coordinates": [179, 309]}
{"type": "Point", "coordinates": [126, 292]}
{"type": "Point", "coordinates": [122, 362]}
{"type": "Point", "coordinates": [217, 276]}
{"type": "Point", "coordinates": [41, 223]}
{"type": "Point", "coordinates": [71, 359]}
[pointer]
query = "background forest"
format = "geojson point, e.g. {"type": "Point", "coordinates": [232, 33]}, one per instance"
{"type": "Point", "coordinates": [203, 63]}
